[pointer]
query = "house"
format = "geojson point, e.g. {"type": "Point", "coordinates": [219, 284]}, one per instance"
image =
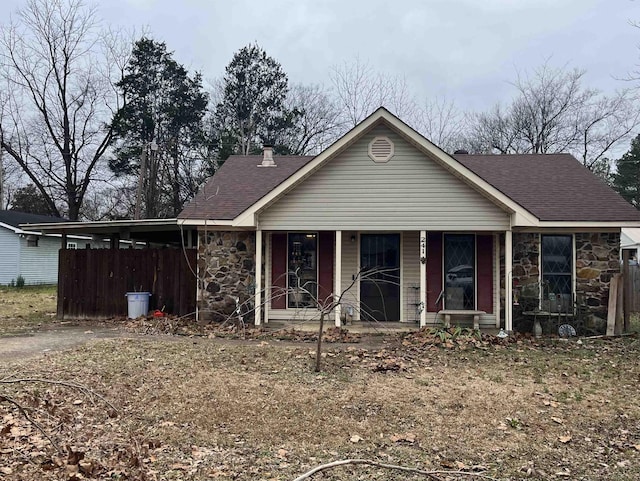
{"type": "Point", "coordinates": [30, 253]}
{"type": "Point", "coordinates": [630, 241]}
{"type": "Point", "coordinates": [148, 255]}
{"type": "Point", "coordinates": [406, 231]}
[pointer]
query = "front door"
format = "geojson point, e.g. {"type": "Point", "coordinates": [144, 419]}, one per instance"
{"type": "Point", "coordinates": [380, 277]}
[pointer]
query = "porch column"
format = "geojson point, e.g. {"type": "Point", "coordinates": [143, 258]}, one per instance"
{"type": "Point", "coordinates": [258, 282]}
{"type": "Point", "coordinates": [267, 277]}
{"type": "Point", "coordinates": [496, 281]}
{"type": "Point", "coordinates": [508, 281]}
{"type": "Point", "coordinates": [337, 277]}
{"type": "Point", "coordinates": [423, 278]}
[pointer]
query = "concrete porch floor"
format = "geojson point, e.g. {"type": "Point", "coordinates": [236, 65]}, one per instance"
{"type": "Point", "coordinates": [360, 327]}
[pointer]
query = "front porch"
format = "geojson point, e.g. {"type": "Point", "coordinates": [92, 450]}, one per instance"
{"type": "Point", "coordinates": [381, 278]}
{"type": "Point", "coordinates": [362, 327]}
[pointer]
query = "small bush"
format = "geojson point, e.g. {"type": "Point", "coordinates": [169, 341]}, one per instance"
{"type": "Point", "coordinates": [20, 282]}
{"type": "Point", "coordinates": [12, 283]}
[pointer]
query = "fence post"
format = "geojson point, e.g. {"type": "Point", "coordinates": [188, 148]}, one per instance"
{"type": "Point", "coordinates": [627, 289]}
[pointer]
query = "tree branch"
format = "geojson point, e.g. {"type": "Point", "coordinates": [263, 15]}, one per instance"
{"type": "Point", "coordinates": [433, 474]}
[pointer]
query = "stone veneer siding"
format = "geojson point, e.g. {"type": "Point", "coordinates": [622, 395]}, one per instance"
{"type": "Point", "coordinates": [597, 259]}
{"type": "Point", "coordinates": [226, 269]}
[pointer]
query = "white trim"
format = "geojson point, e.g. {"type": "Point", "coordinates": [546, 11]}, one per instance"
{"type": "Point", "coordinates": [17, 230]}
{"type": "Point", "coordinates": [423, 276]}
{"type": "Point", "coordinates": [198, 281]}
{"type": "Point", "coordinates": [401, 279]}
{"type": "Point", "coordinates": [496, 278]}
{"type": "Point", "coordinates": [337, 276]}
{"type": "Point", "coordinates": [267, 277]}
{"type": "Point", "coordinates": [258, 279]}
{"type": "Point", "coordinates": [579, 226]}
{"type": "Point", "coordinates": [205, 222]}
{"type": "Point", "coordinates": [508, 281]}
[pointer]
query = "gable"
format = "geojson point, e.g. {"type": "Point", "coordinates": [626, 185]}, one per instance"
{"type": "Point", "coordinates": [408, 191]}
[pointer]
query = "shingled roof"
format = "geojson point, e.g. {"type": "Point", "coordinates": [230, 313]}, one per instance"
{"type": "Point", "coordinates": [15, 218]}
{"type": "Point", "coordinates": [553, 187]}
{"type": "Point", "coordinates": [239, 184]}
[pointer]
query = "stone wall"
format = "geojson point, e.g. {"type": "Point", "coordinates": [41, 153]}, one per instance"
{"type": "Point", "coordinates": [597, 260]}
{"type": "Point", "coordinates": [226, 270]}
{"type": "Point", "coordinates": [526, 262]}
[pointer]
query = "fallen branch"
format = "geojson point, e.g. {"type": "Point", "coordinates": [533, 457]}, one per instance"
{"type": "Point", "coordinates": [83, 389]}
{"type": "Point", "coordinates": [433, 474]}
{"type": "Point", "coordinates": [23, 411]}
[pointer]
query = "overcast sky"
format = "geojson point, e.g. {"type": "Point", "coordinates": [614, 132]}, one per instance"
{"type": "Point", "coordinates": [466, 50]}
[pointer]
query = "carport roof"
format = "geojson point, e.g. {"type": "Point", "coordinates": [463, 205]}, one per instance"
{"type": "Point", "coordinates": [152, 230]}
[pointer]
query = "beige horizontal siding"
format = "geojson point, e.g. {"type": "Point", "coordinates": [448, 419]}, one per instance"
{"type": "Point", "coordinates": [349, 271]}
{"type": "Point", "coordinates": [410, 192]}
{"type": "Point", "coordinates": [410, 275]}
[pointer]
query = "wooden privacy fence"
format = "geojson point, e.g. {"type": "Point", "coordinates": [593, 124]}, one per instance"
{"type": "Point", "coordinates": [633, 281]}
{"type": "Point", "coordinates": [92, 283]}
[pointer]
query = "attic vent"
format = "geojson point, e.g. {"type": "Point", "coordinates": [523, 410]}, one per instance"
{"type": "Point", "coordinates": [381, 149]}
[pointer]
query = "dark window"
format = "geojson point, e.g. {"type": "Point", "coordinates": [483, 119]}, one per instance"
{"type": "Point", "coordinates": [32, 241]}
{"type": "Point", "coordinates": [557, 266]}
{"type": "Point", "coordinates": [459, 271]}
{"type": "Point", "coordinates": [303, 270]}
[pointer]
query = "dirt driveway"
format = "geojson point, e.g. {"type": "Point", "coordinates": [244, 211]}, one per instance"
{"type": "Point", "coordinates": [55, 338]}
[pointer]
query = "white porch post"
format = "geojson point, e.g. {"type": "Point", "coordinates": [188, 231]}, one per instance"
{"type": "Point", "coordinates": [508, 281]}
{"type": "Point", "coordinates": [258, 283]}
{"type": "Point", "coordinates": [496, 282]}
{"type": "Point", "coordinates": [267, 277]}
{"type": "Point", "coordinates": [337, 276]}
{"type": "Point", "coordinates": [423, 278]}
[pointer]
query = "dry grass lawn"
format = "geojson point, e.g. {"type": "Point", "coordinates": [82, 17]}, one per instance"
{"type": "Point", "coordinates": [27, 307]}
{"type": "Point", "coordinates": [196, 409]}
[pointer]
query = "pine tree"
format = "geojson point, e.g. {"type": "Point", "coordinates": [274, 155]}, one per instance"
{"type": "Point", "coordinates": [166, 107]}
{"type": "Point", "coordinates": [252, 111]}
{"type": "Point", "coordinates": [626, 180]}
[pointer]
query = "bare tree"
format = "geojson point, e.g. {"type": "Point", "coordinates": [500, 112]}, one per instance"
{"type": "Point", "coordinates": [554, 112]}
{"type": "Point", "coordinates": [360, 90]}
{"type": "Point", "coordinates": [60, 70]}
{"type": "Point", "coordinates": [440, 121]}
{"type": "Point", "coordinates": [318, 123]}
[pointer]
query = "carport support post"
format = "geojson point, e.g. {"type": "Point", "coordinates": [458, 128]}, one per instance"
{"type": "Point", "coordinates": [508, 281]}
{"type": "Point", "coordinates": [337, 277]}
{"type": "Point", "coordinates": [258, 280]}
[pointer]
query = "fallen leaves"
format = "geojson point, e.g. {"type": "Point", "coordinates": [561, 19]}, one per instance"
{"type": "Point", "coordinates": [565, 439]}
{"type": "Point", "coordinates": [404, 437]}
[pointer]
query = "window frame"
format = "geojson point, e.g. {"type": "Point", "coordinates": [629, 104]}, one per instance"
{"type": "Point", "coordinates": [290, 302]}
{"type": "Point", "coordinates": [474, 237]}
{"type": "Point", "coordinates": [545, 292]}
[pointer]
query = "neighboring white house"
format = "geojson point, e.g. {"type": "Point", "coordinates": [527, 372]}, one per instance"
{"type": "Point", "coordinates": [630, 240]}
{"type": "Point", "coordinates": [31, 254]}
